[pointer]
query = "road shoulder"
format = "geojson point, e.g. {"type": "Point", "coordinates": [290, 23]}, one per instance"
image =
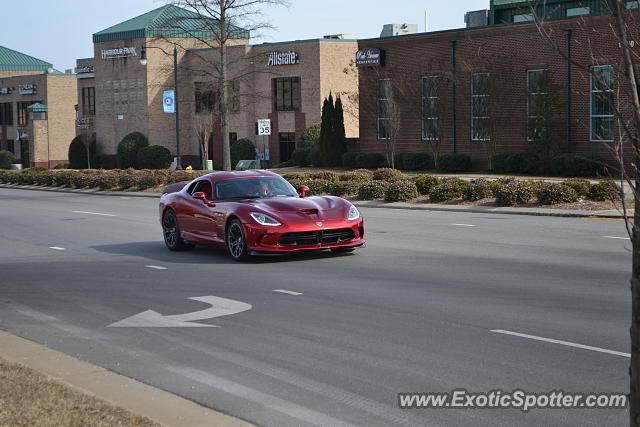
{"type": "Point", "coordinates": [127, 393]}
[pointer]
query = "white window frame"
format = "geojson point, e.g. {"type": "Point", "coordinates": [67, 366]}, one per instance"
{"type": "Point", "coordinates": [591, 115]}
{"type": "Point", "coordinates": [378, 118]}
{"type": "Point", "coordinates": [473, 118]}
{"type": "Point", "coordinates": [429, 118]}
{"type": "Point", "coordinates": [523, 17]}
{"type": "Point", "coordinates": [529, 116]}
{"type": "Point", "coordinates": [578, 11]}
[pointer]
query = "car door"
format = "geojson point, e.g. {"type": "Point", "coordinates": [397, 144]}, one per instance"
{"type": "Point", "coordinates": [203, 222]}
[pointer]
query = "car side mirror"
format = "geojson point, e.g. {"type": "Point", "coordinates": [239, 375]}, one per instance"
{"type": "Point", "coordinates": [201, 196]}
{"type": "Point", "coordinates": [303, 190]}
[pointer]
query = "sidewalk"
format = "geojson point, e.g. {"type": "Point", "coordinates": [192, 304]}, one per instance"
{"type": "Point", "coordinates": [158, 405]}
{"type": "Point", "coordinates": [612, 213]}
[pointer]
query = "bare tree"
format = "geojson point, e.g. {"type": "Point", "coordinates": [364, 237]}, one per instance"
{"type": "Point", "coordinates": [204, 131]}
{"type": "Point", "coordinates": [224, 22]}
{"type": "Point", "coordinates": [623, 25]}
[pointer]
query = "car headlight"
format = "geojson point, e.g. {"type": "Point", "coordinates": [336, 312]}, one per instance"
{"type": "Point", "coordinates": [263, 219]}
{"type": "Point", "coordinates": [353, 213]}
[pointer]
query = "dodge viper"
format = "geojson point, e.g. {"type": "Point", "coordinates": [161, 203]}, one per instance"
{"type": "Point", "coordinates": [256, 212]}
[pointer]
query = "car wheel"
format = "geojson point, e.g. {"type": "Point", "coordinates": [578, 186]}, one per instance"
{"type": "Point", "coordinates": [171, 231]}
{"type": "Point", "coordinates": [236, 242]}
{"type": "Point", "coordinates": [342, 250]}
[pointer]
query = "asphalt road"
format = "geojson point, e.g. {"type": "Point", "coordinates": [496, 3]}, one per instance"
{"type": "Point", "coordinates": [413, 312]}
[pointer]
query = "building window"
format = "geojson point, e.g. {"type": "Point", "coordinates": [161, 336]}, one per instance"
{"type": "Point", "coordinates": [632, 5]}
{"type": "Point", "coordinates": [430, 108]}
{"type": "Point", "coordinates": [286, 93]}
{"type": "Point", "coordinates": [525, 17]}
{"type": "Point", "coordinates": [537, 104]}
{"type": "Point", "coordinates": [6, 114]}
{"type": "Point", "coordinates": [233, 137]}
{"type": "Point", "coordinates": [602, 101]}
{"type": "Point", "coordinates": [88, 101]}
{"type": "Point", "coordinates": [384, 115]}
{"type": "Point", "coordinates": [205, 97]}
{"type": "Point", "coordinates": [480, 107]}
{"type": "Point", "coordinates": [578, 11]}
{"type": "Point", "coordinates": [11, 147]}
{"type": "Point", "coordinates": [23, 114]}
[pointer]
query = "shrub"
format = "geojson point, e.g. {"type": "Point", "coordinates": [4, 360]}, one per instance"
{"type": "Point", "coordinates": [344, 188]}
{"type": "Point", "coordinates": [106, 161]}
{"type": "Point", "coordinates": [78, 152]}
{"type": "Point", "coordinates": [401, 191]}
{"type": "Point", "coordinates": [445, 191]}
{"type": "Point", "coordinates": [105, 181]}
{"type": "Point", "coordinates": [147, 181]}
{"type": "Point", "coordinates": [373, 190]}
{"type": "Point", "coordinates": [461, 183]}
{"type": "Point", "coordinates": [358, 175]}
{"type": "Point", "coordinates": [454, 163]}
{"type": "Point", "coordinates": [314, 157]}
{"type": "Point", "coordinates": [6, 159]}
{"type": "Point", "coordinates": [128, 149]}
{"type": "Point", "coordinates": [580, 186]}
{"type": "Point", "coordinates": [242, 149]}
{"type": "Point", "coordinates": [127, 180]}
{"type": "Point", "coordinates": [301, 156]}
{"type": "Point", "coordinates": [389, 174]}
{"type": "Point", "coordinates": [516, 163]}
{"type": "Point", "coordinates": [311, 135]}
{"type": "Point", "coordinates": [62, 166]}
{"type": "Point", "coordinates": [412, 161]}
{"type": "Point", "coordinates": [153, 157]}
{"type": "Point", "coordinates": [297, 176]}
{"type": "Point", "coordinates": [318, 186]}
{"type": "Point", "coordinates": [326, 175]}
{"type": "Point", "coordinates": [552, 194]}
{"type": "Point", "coordinates": [605, 190]}
{"type": "Point", "coordinates": [349, 160]}
{"type": "Point", "coordinates": [46, 178]}
{"type": "Point", "coordinates": [513, 193]}
{"type": "Point", "coordinates": [425, 183]}
{"type": "Point", "coordinates": [578, 165]}
{"type": "Point", "coordinates": [476, 190]}
{"type": "Point", "coordinates": [369, 160]}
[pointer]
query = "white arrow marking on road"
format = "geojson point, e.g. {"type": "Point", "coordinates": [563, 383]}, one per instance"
{"type": "Point", "coordinates": [156, 267]}
{"type": "Point", "coordinates": [616, 237]}
{"type": "Point", "coordinates": [284, 291]}
{"type": "Point", "coordinates": [152, 319]}
{"type": "Point", "coordinates": [463, 225]}
{"type": "Point", "coordinates": [57, 248]}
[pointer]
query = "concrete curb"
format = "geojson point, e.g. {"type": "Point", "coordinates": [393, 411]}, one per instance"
{"type": "Point", "coordinates": [375, 204]}
{"type": "Point", "coordinates": [158, 405]}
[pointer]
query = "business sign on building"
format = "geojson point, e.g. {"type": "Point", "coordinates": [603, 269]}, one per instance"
{"type": "Point", "coordinates": [264, 127]}
{"type": "Point", "coordinates": [370, 57]}
{"type": "Point", "coordinates": [122, 52]}
{"type": "Point", "coordinates": [22, 135]}
{"type": "Point", "coordinates": [27, 89]}
{"type": "Point", "coordinates": [283, 58]}
{"type": "Point", "coordinates": [85, 70]}
{"type": "Point", "coordinates": [168, 101]}
{"type": "Point", "coordinates": [5, 90]}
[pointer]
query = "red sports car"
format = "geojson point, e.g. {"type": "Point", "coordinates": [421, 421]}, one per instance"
{"type": "Point", "coordinates": [256, 212]}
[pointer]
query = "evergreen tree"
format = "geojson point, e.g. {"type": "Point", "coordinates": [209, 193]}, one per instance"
{"type": "Point", "coordinates": [327, 131]}
{"type": "Point", "coordinates": [340, 145]}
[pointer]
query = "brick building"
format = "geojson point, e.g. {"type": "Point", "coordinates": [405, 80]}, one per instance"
{"type": "Point", "coordinates": [36, 110]}
{"type": "Point", "coordinates": [283, 82]}
{"type": "Point", "coordinates": [480, 90]}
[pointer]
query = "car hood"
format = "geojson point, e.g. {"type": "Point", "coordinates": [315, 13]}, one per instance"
{"type": "Point", "coordinates": [322, 207]}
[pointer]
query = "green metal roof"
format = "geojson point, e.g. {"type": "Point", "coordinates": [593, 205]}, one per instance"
{"type": "Point", "coordinates": [37, 108]}
{"type": "Point", "coordinates": [10, 60]}
{"type": "Point", "coordinates": [166, 21]}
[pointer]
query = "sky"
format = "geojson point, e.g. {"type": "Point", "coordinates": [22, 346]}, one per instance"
{"type": "Point", "coordinates": [59, 31]}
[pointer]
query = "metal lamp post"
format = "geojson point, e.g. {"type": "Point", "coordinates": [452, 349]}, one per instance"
{"type": "Point", "coordinates": [144, 61]}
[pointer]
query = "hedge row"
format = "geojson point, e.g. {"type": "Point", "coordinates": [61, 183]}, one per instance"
{"type": "Point", "coordinates": [100, 179]}
{"type": "Point", "coordinates": [570, 165]}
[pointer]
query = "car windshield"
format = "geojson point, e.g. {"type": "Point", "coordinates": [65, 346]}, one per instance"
{"type": "Point", "coordinates": [254, 187]}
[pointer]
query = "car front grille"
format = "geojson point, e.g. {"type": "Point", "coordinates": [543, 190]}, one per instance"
{"type": "Point", "coordinates": [320, 237]}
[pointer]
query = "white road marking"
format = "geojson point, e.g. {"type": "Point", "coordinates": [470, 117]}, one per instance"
{"type": "Point", "coordinates": [567, 343]}
{"type": "Point", "coordinates": [463, 225]}
{"type": "Point", "coordinates": [284, 291]}
{"type": "Point", "coordinates": [156, 267]}
{"type": "Point", "coordinates": [153, 319]}
{"type": "Point", "coordinates": [93, 213]}
{"type": "Point", "coordinates": [57, 248]}
{"type": "Point", "coordinates": [616, 237]}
